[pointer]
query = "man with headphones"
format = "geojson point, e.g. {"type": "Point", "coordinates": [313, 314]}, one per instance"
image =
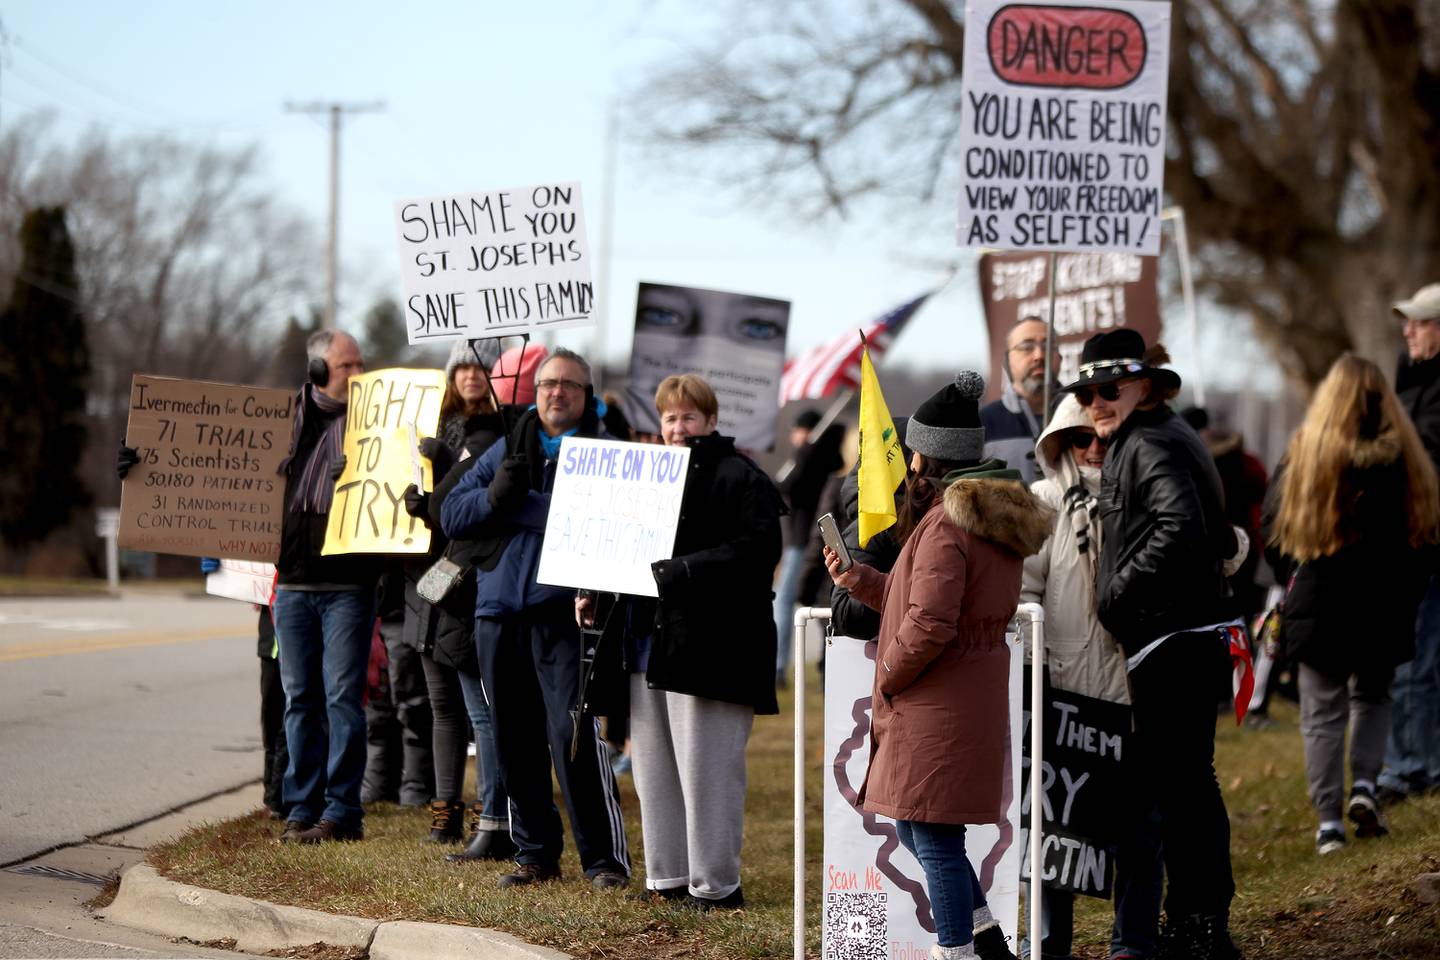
{"type": "Point", "coordinates": [324, 612]}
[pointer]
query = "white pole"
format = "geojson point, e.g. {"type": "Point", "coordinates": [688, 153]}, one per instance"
{"type": "Point", "coordinates": [1036, 613]}
{"type": "Point", "coordinates": [803, 616]}
{"type": "Point", "coordinates": [1187, 290]}
{"type": "Point", "coordinates": [607, 244]}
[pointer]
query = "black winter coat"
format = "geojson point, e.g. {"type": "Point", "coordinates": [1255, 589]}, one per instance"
{"type": "Point", "coordinates": [1165, 534]}
{"type": "Point", "coordinates": [1418, 385]}
{"type": "Point", "coordinates": [848, 616]}
{"type": "Point", "coordinates": [714, 621]}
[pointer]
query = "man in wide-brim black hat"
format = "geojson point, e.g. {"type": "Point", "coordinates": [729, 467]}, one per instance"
{"type": "Point", "coordinates": [1160, 590]}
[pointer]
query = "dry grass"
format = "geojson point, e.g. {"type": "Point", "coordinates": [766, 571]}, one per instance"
{"type": "Point", "coordinates": [1291, 903]}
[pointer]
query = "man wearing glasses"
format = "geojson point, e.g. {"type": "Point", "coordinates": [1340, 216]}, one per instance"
{"type": "Point", "coordinates": [1412, 756]}
{"type": "Point", "coordinates": [1014, 422]}
{"type": "Point", "coordinates": [528, 643]}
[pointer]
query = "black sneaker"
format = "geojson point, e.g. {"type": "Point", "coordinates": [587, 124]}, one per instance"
{"type": "Point", "coordinates": [609, 880]}
{"type": "Point", "coordinates": [1364, 812]}
{"type": "Point", "coordinates": [528, 873]}
{"type": "Point", "coordinates": [732, 901]}
{"type": "Point", "coordinates": [1329, 841]}
{"type": "Point", "coordinates": [992, 944]}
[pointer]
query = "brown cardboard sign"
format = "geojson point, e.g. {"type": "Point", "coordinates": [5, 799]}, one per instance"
{"type": "Point", "coordinates": [1094, 292]}
{"type": "Point", "coordinates": [208, 482]}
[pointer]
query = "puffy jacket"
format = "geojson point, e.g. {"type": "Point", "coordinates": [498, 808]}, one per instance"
{"type": "Point", "coordinates": [1163, 518]}
{"type": "Point", "coordinates": [714, 620]}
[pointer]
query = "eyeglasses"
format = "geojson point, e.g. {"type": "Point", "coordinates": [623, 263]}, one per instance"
{"type": "Point", "coordinates": [1030, 346]}
{"type": "Point", "coordinates": [1081, 440]}
{"type": "Point", "coordinates": [550, 386]}
{"type": "Point", "coordinates": [1109, 392]}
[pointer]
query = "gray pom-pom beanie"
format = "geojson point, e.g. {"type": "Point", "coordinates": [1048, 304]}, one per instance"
{"type": "Point", "coordinates": [947, 426]}
{"type": "Point", "coordinates": [461, 355]}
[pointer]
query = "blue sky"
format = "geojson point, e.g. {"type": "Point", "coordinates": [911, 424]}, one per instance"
{"type": "Point", "coordinates": [483, 95]}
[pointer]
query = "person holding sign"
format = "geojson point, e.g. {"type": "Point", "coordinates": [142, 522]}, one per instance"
{"type": "Point", "coordinates": [324, 612]}
{"type": "Point", "coordinates": [1161, 592]}
{"type": "Point", "coordinates": [527, 641]}
{"type": "Point", "coordinates": [939, 736]}
{"type": "Point", "coordinates": [702, 658]}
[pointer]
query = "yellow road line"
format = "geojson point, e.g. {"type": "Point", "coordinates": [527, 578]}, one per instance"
{"type": "Point", "coordinates": [116, 641]}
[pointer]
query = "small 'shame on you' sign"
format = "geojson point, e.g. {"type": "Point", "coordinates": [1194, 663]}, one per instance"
{"type": "Point", "coordinates": [1063, 125]}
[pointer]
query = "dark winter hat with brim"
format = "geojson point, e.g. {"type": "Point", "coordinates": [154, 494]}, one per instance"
{"type": "Point", "coordinates": [947, 426]}
{"type": "Point", "coordinates": [1117, 355]}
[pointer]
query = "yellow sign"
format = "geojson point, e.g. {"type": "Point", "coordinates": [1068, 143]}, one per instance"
{"type": "Point", "coordinates": [389, 411]}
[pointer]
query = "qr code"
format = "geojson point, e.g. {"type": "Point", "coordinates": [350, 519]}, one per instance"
{"type": "Point", "coordinates": [856, 927]}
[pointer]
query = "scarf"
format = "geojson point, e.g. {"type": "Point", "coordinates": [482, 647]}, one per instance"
{"type": "Point", "coordinates": [1082, 512]}
{"type": "Point", "coordinates": [315, 489]}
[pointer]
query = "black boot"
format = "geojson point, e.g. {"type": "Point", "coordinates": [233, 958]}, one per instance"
{"type": "Point", "coordinates": [486, 845]}
{"type": "Point", "coordinates": [1197, 936]}
{"type": "Point", "coordinates": [447, 820]}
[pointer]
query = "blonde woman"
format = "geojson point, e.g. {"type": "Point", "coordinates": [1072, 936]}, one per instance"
{"type": "Point", "coordinates": [1353, 516]}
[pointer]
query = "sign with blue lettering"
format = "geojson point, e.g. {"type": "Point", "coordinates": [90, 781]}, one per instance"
{"type": "Point", "coordinates": [613, 513]}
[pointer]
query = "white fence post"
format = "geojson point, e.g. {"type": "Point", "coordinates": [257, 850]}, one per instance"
{"type": "Point", "coordinates": [803, 616]}
{"type": "Point", "coordinates": [1035, 613]}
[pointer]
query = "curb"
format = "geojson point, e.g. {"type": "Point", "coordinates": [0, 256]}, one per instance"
{"type": "Point", "coordinates": [147, 901]}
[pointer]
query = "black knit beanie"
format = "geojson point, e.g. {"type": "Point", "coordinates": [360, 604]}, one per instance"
{"type": "Point", "coordinates": [947, 426]}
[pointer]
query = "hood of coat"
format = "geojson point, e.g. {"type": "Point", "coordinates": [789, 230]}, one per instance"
{"type": "Point", "coordinates": [1376, 451]}
{"type": "Point", "coordinates": [1000, 510]}
{"type": "Point", "coordinates": [1051, 446]}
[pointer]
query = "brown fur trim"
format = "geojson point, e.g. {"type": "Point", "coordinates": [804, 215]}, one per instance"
{"type": "Point", "coordinates": [1381, 451]}
{"type": "Point", "coordinates": [1000, 510]}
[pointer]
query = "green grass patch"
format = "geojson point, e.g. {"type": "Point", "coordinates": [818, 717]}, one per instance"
{"type": "Point", "coordinates": [1290, 903]}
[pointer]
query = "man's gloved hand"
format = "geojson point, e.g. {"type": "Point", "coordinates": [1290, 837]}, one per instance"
{"type": "Point", "coordinates": [417, 502]}
{"type": "Point", "coordinates": [337, 467]}
{"type": "Point", "coordinates": [209, 564]}
{"type": "Point", "coordinates": [511, 483]}
{"type": "Point", "coordinates": [127, 458]}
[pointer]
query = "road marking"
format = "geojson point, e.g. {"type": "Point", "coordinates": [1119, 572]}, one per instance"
{"type": "Point", "coordinates": [74, 625]}
{"type": "Point", "coordinates": [116, 641]}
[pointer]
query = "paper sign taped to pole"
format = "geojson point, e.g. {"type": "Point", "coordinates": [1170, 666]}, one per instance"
{"type": "Point", "coordinates": [613, 512]}
{"type": "Point", "coordinates": [208, 483]}
{"type": "Point", "coordinates": [1062, 129]}
{"type": "Point", "coordinates": [387, 410]}
{"type": "Point", "coordinates": [242, 580]}
{"type": "Point", "coordinates": [493, 264]}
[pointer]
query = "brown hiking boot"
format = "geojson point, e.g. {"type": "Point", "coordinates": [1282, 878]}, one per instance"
{"type": "Point", "coordinates": [528, 873]}
{"type": "Point", "coordinates": [447, 820]}
{"type": "Point", "coordinates": [292, 831]}
{"type": "Point", "coordinates": [327, 831]}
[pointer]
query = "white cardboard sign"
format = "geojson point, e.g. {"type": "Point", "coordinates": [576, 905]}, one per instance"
{"type": "Point", "coordinates": [492, 264]}
{"type": "Point", "coordinates": [242, 580]}
{"type": "Point", "coordinates": [1062, 139]}
{"type": "Point", "coordinates": [613, 512]}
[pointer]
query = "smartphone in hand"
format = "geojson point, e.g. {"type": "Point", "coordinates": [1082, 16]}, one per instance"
{"type": "Point", "coordinates": [830, 533]}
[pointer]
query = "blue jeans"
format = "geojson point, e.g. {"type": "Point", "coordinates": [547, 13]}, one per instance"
{"type": "Point", "coordinates": [493, 799]}
{"type": "Point", "coordinates": [792, 561]}
{"type": "Point", "coordinates": [1412, 755]}
{"type": "Point", "coordinates": [324, 641]}
{"type": "Point", "coordinates": [954, 889]}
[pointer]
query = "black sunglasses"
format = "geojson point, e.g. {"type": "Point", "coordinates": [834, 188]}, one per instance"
{"type": "Point", "coordinates": [1109, 392]}
{"type": "Point", "coordinates": [1081, 440]}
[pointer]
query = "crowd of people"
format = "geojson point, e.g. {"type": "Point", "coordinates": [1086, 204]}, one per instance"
{"type": "Point", "coordinates": [1124, 519]}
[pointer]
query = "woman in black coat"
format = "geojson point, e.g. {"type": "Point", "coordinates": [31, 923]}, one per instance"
{"type": "Point", "coordinates": [1350, 522]}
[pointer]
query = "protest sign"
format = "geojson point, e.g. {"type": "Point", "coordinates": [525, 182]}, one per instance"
{"type": "Point", "coordinates": [1085, 740]}
{"type": "Point", "coordinates": [1094, 292]}
{"type": "Point", "coordinates": [208, 483]}
{"type": "Point", "coordinates": [389, 411]}
{"type": "Point", "coordinates": [875, 899]}
{"type": "Point", "coordinates": [242, 580]}
{"type": "Point", "coordinates": [1062, 134]}
{"type": "Point", "coordinates": [477, 265]}
{"type": "Point", "coordinates": [735, 341]}
{"type": "Point", "coordinates": [613, 512]}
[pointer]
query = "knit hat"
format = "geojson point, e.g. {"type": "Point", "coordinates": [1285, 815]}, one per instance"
{"type": "Point", "coordinates": [462, 355]}
{"type": "Point", "coordinates": [947, 426]}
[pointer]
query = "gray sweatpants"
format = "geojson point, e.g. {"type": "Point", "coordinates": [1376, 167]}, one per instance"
{"type": "Point", "coordinates": [687, 756]}
{"type": "Point", "coordinates": [1325, 706]}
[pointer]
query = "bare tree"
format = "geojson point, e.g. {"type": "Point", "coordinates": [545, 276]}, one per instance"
{"type": "Point", "coordinates": [1304, 141]}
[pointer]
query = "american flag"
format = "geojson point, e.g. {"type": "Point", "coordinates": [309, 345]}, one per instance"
{"type": "Point", "coordinates": [828, 368]}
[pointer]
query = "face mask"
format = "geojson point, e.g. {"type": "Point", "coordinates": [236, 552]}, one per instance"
{"type": "Point", "coordinates": [746, 381]}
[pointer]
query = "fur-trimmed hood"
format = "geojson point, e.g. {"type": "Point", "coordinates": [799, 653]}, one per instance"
{"type": "Point", "coordinates": [1376, 451]}
{"type": "Point", "coordinates": [1000, 510]}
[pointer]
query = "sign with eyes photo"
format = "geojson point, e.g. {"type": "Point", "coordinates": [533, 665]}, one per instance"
{"type": "Point", "coordinates": [735, 341]}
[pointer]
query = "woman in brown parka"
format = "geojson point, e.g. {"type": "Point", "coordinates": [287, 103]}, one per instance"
{"type": "Point", "coordinates": [941, 695]}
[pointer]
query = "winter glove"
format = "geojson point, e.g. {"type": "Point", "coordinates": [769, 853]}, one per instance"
{"type": "Point", "coordinates": [209, 564]}
{"type": "Point", "coordinates": [434, 450]}
{"type": "Point", "coordinates": [337, 467]}
{"type": "Point", "coordinates": [128, 457]}
{"type": "Point", "coordinates": [417, 503]}
{"type": "Point", "coordinates": [511, 483]}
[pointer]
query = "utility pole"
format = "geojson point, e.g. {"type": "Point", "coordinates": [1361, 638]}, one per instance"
{"type": "Point", "coordinates": [336, 112]}
{"type": "Point", "coordinates": [607, 242]}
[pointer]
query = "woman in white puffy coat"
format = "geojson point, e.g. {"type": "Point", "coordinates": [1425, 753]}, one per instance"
{"type": "Point", "coordinates": [1083, 658]}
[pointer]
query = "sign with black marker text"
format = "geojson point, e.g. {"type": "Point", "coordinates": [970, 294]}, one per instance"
{"type": "Point", "coordinates": [1062, 133]}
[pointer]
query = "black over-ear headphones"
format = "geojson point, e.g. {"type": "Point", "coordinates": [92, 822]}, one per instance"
{"type": "Point", "coordinates": [318, 371]}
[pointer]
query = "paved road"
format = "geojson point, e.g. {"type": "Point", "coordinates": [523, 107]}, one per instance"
{"type": "Point", "coordinates": [116, 710]}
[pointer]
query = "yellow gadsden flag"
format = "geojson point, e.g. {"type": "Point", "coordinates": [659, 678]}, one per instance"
{"type": "Point", "coordinates": [882, 460]}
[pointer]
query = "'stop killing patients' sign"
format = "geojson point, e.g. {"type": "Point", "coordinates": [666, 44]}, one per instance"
{"type": "Point", "coordinates": [1063, 125]}
{"type": "Point", "coordinates": [491, 264]}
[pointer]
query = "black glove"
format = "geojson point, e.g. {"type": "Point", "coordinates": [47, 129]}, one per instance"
{"type": "Point", "coordinates": [337, 467]}
{"type": "Point", "coordinates": [417, 503]}
{"type": "Point", "coordinates": [128, 458]}
{"type": "Point", "coordinates": [511, 483]}
{"type": "Point", "coordinates": [434, 450]}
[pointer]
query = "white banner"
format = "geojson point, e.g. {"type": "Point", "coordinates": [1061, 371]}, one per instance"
{"type": "Point", "coordinates": [242, 580]}
{"type": "Point", "coordinates": [613, 513]}
{"type": "Point", "coordinates": [876, 904]}
{"type": "Point", "coordinates": [478, 265]}
{"type": "Point", "coordinates": [1062, 134]}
